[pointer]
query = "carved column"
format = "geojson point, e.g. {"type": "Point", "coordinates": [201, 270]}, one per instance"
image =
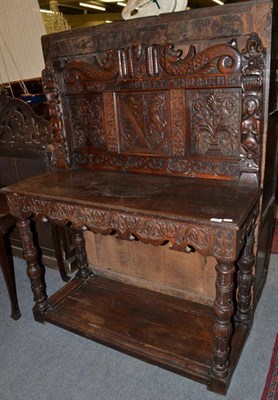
{"type": "Point", "coordinates": [34, 271]}
{"type": "Point", "coordinates": [245, 281]}
{"type": "Point", "coordinates": [81, 255]}
{"type": "Point", "coordinates": [223, 307]}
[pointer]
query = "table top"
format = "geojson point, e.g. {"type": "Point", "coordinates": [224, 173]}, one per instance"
{"type": "Point", "coordinates": [187, 199]}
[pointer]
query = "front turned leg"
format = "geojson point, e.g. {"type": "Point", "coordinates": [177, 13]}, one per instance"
{"type": "Point", "coordinates": [245, 281]}
{"type": "Point", "coordinates": [83, 268]}
{"type": "Point", "coordinates": [34, 271]}
{"type": "Point", "coordinates": [224, 308]}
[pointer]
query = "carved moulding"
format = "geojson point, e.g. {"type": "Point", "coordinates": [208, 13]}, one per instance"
{"type": "Point", "coordinates": [172, 166]}
{"type": "Point", "coordinates": [207, 240]}
{"type": "Point", "coordinates": [58, 146]}
{"type": "Point", "coordinates": [150, 61]}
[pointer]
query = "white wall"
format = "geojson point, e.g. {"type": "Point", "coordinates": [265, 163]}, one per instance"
{"type": "Point", "coordinates": [21, 26]}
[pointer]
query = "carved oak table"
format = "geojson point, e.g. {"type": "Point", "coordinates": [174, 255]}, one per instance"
{"type": "Point", "coordinates": [176, 334]}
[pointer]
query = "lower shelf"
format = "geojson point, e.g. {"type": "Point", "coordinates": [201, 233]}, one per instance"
{"type": "Point", "coordinates": [172, 333]}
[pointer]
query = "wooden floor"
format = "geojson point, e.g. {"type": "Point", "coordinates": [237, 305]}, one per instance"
{"type": "Point", "coordinates": [163, 330]}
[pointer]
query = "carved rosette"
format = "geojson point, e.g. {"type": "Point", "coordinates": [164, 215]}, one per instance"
{"type": "Point", "coordinates": [253, 63]}
{"type": "Point", "coordinates": [58, 145]}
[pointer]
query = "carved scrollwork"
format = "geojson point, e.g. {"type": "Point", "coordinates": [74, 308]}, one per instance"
{"type": "Point", "coordinates": [20, 126]}
{"type": "Point", "coordinates": [58, 145]}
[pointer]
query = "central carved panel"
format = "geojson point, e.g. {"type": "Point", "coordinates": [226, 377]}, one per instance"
{"type": "Point", "coordinates": [215, 122]}
{"type": "Point", "coordinates": [143, 122]}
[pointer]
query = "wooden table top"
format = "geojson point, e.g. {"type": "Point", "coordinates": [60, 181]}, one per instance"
{"type": "Point", "coordinates": [175, 197]}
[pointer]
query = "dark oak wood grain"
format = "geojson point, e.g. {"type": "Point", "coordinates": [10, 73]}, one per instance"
{"type": "Point", "coordinates": [160, 128]}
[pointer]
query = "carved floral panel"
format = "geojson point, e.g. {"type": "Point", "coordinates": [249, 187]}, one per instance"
{"type": "Point", "coordinates": [143, 122]}
{"type": "Point", "coordinates": [215, 117]}
{"type": "Point", "coordinates": [87, 121]}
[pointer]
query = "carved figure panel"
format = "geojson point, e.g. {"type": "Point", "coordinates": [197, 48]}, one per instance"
{"type": "Point", "coordinates": [253, 58]}
{"type": "Point", "coordinates": [143, 121]}
{"type": "Point", "coordinates": [87, 121]}
{"type": "Point", "coordinates": [215, 118]}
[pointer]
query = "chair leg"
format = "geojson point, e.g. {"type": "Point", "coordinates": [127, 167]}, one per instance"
{"type": "Point", "coordinates": [81, 255]}
{"type": "Point", "coordinates": [57, 241]}
{"type": "Point", "coordinates": [8, 272]}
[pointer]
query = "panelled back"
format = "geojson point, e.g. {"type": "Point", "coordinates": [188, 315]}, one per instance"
{"type": "Point", "coordinates": [182, 107]}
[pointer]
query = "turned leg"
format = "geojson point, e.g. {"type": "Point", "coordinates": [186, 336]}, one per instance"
{"type": "Point", "coordinates": [81, 255]}
{"type": "Point", "coordinates": [57, 241]}
{"type": "Point", "coordinates": [8, 272]}
{"type": "Point", "coordinates": [34, 271]}
{"type": "Point", "coordinates": [245, 281]}
{"type": "Point", "coordinates": [223, 307]}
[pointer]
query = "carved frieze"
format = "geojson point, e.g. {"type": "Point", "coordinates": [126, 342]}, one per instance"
{"type": "Point", "coordinates": [220, 243]}
{"type": "Point", "coordinates": [171, 166]}
{"type": "Point", "coordinates": [215, 122]}
{"type": "Point", "coordinates": [141, 61]}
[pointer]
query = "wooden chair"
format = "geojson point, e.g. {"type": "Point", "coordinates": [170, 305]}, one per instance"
{"type": "Point", "coordinates": [23, 152]}
{"type": "Point", "coordinates": [7, 222]}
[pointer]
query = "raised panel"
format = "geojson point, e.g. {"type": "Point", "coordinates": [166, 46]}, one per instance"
{"type": "Point", "coordinates": [214, 122]}
{"type": "Point", "coordinates": [86, 118]}
{"type": "Point", "coordinates": [143, 122]}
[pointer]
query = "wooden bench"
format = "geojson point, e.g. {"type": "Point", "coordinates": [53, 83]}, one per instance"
{"type": "Point", "coordinates": [160, 128]}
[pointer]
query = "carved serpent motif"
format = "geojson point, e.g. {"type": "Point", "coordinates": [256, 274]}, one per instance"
{"type": "Point", "coordinates": [140, 61]}
{"type": "Point", "coordinates": [105, 69]}
{"type": "Point", "coordinates": [172, 62]}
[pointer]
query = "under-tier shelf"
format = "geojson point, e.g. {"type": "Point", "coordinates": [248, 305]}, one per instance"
{"type": "Point", "coordinates": [172, 333]}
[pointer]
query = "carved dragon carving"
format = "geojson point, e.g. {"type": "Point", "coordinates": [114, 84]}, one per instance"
{"type": "Point", "coordinates": [171, 60]}
{"type": "Point", "coordinates": [101, 68]}
{"type": "Point", "coordinates": [143, 61]}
